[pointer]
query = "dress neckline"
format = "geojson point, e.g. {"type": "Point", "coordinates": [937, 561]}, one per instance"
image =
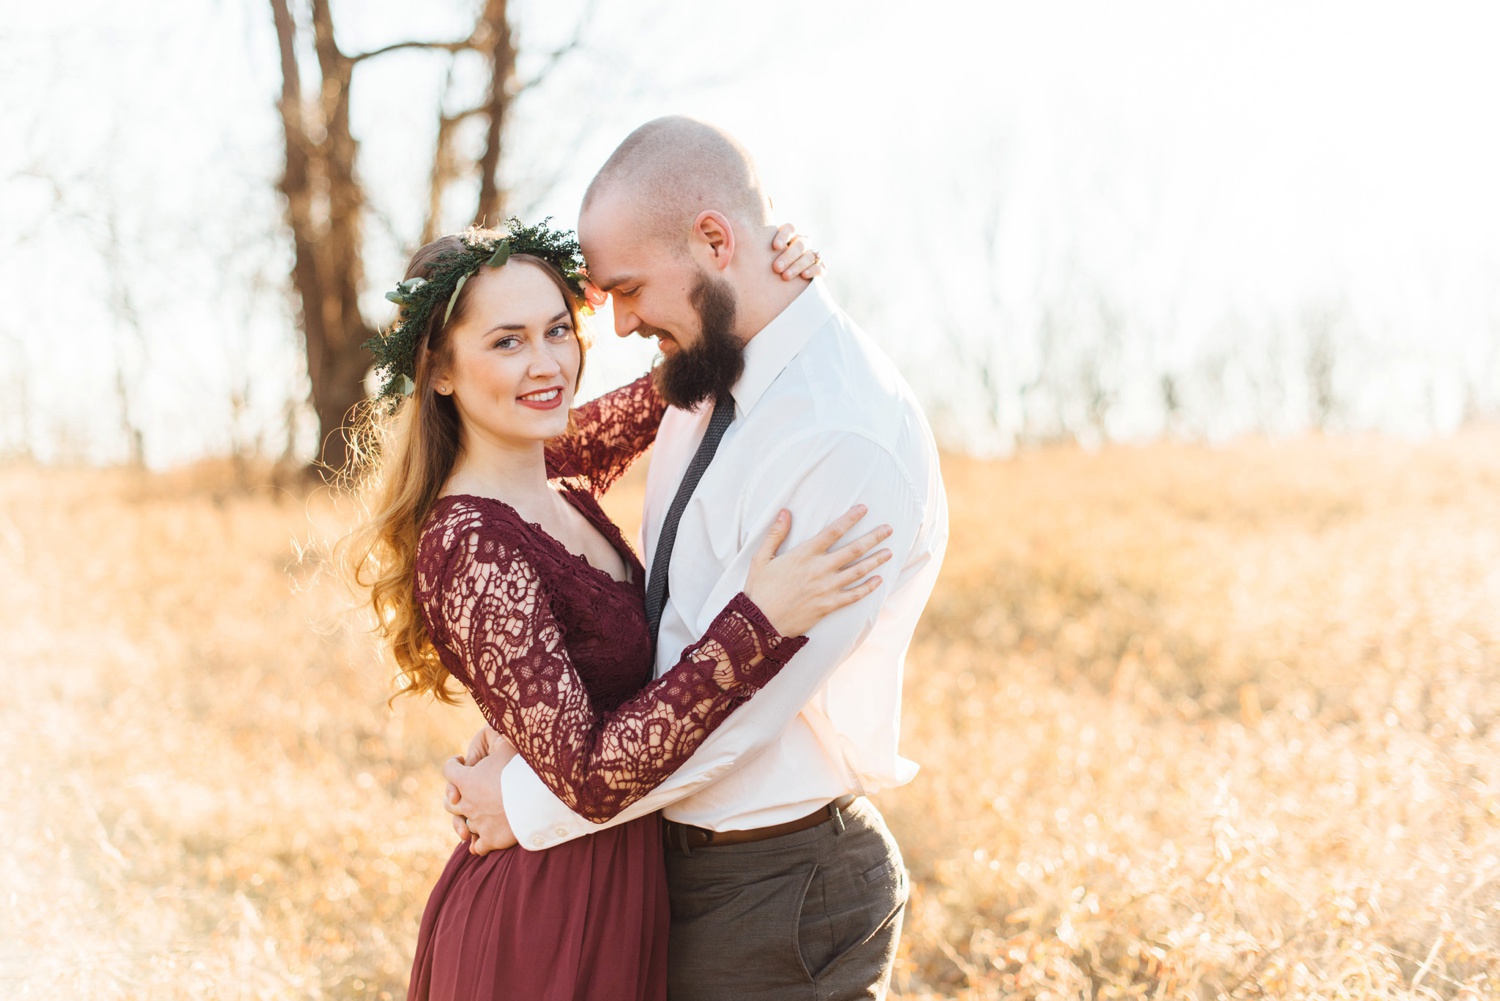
{"type": "Point", "coordinates": [608, 530]}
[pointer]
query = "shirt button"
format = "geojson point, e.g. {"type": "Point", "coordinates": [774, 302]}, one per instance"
{"type": "Point", "coordinates": [537, 841]}
{"type": "Point", "coordinates": [560, 831]}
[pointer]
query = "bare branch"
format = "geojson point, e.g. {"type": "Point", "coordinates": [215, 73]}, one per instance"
{"type": "Point", "coordinates": [445, 169]}
{"type": "Point", "coordinates": [55, 186]}
{"type": "Point", "coordinates": [558, 55]}
{"type": "Point", "coordinates": [286, 31]}
{"type": "Point", "coordinates": [494, 27]}
{"type": "Point", "coordinates": [449, 47]}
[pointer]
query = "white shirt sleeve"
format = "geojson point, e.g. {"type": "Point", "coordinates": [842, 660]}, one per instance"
{"type": "Point", "coordinates": [817, 477]}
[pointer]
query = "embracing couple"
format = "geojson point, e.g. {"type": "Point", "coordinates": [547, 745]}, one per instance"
{"type": "Point", "coordinates": [702, 835]}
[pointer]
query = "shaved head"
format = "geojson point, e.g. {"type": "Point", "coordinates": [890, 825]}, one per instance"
{"type": "Point", "coordinates": [676, 229]}
{"type": "Point", "coordinates": [671, 169]}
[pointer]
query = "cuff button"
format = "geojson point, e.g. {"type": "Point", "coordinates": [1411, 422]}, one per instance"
{"type": "Point", "coordinates": [537, 841]}
{"type": "Point", "coordinates": [560, 831]}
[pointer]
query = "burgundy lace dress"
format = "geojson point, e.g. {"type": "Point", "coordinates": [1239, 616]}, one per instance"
{"type": "Point", "coordinates": [557, 655]}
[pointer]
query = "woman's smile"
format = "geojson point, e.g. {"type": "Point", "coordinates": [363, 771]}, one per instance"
{"type": "Point", "coordinates": [542, 399]}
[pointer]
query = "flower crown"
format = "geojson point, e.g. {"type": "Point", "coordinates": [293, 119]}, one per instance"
{"type": "Point", "coordinates": [395, 350]}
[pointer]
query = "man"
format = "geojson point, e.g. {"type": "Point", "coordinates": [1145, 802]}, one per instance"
{"type": "Point", "coordinates": [784, 880]}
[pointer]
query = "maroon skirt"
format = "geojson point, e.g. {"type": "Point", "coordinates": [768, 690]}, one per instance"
{"type": "Point", "coordinates": [585, 920]}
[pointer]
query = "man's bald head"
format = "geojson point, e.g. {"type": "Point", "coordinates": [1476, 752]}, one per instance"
{"type": "Point", "coordinates": [671, 169]}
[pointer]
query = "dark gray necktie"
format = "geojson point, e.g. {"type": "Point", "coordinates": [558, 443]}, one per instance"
{"type": "Point", "coordinates": [656, 587]}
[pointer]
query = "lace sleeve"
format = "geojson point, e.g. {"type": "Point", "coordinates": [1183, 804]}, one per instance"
{"type": "Point", "coordinates": [606, 435]}
{"type": "Point", "coordinates": [489, 615]}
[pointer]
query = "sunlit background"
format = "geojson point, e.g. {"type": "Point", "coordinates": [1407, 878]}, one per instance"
{"type": "Point", "coordinates": [1095, 221]}
{"type": "Point", "coordinates": [1203, 300]}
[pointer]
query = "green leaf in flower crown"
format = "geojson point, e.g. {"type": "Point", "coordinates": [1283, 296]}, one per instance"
{"type": "Point", "coordinates": [501, 254]}
{"type": "Point", "coordinates": [453, 297]}
{"type": "Point", "coordinates": [407, 386]}
{"type": "Point", "coordinates": [405, 291]}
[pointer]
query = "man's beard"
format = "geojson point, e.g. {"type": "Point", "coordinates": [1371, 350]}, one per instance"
{"type": "Point", "coordinates": [691, 375]}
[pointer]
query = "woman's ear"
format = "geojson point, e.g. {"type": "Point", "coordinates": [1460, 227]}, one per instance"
{"type": "Point", "coordinates": [713, 237]}
{"type": "Point", "coordinates": [441, 380]}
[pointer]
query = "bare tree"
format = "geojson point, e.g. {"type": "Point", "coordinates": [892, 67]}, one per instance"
{"type": "Point", "coordinates": [130, 355]}
{"type": "Point", "coordinates": [1323, 324]}
{"type": "Point", "coordinates": [325, 201]}
{"type": "Point", "coordinates": [93, 206]}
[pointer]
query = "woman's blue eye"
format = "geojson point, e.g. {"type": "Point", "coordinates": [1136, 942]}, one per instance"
{"type": "Point", "coordinates": [507, 342]}
{"type": "Point", "coordinates": [561, 330]}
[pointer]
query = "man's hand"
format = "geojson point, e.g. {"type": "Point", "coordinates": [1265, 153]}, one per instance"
{"type": "Point", "coordinates": [484, 741]}
{"type": "Point", "coordinates": [474, 797]}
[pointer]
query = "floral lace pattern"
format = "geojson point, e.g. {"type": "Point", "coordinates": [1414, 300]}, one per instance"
{"type": "Point", "coordinates": [556, 652]}
{"type": "Point", "coordinates": [606, 435]}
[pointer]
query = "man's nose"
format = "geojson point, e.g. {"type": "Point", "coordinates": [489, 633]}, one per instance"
{"type": "Point", "coordinates": [626, 322]}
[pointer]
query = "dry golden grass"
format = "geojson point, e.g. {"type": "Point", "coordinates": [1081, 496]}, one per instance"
{"type": "Point", "coordinates": [1194, 723]}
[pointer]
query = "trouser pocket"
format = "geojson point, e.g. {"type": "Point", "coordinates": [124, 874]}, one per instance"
{"type": "Point", "coordinates": [850, 916]}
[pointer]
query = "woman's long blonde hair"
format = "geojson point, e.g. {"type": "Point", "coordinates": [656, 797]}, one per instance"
{"type": "Point", "coordinates": [401, 460]}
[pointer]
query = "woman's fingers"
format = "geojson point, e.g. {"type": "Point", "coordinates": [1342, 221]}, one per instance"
{"type": "Point", "coordinates": [775, 536]}
{"type": "Point", "coordinates": [849, 596]}
{"type": "Point", "coordinates": [786, 263]}
{"type": "Point", "coordinates": [836, 530]}
{"type": "Point", "coordinates": [808, 266]}
{"type": "Point", "coordinates": [799, 261]}
{"type": "Point", "coordinates": [794, 258]}
{"type": "Point", "coordinates": [822, 545]}
{"type": "Point", "coordinates": [862, 545]}
{"type": "Point", "coordinates": [865, 566]}
{"type": "Point", "coordinates": [797, 588]}
{"type": "Point", "coordinates": [592, 295]}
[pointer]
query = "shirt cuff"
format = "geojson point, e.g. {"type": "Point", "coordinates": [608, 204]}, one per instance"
{"type": "Point", "coordinates": [537, 817]}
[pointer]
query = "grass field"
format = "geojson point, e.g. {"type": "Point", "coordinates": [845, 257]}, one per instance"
{"type": "Point", "coordinates": [1193, 723]}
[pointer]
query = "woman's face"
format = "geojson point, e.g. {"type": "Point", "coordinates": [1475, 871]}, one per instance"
{"type": "Point", "coordinates": [513, 360]}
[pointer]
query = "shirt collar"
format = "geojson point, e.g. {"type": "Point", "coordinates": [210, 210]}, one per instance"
{"type": "Point", "coordinates": [778, 342]}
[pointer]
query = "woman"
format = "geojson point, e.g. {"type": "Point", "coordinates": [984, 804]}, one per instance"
{"type": "Point", "coordinates": [489, 568]}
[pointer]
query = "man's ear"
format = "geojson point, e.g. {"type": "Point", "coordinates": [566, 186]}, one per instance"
{"type": "Point", "coordinates": [713, 238]}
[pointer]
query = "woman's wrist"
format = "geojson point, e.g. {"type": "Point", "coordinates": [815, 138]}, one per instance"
{"type": "Point", "coordinates": [753, 646]}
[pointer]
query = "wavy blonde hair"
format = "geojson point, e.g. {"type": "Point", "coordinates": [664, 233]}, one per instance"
{"type": "Point", "coordinates": [401, 461]}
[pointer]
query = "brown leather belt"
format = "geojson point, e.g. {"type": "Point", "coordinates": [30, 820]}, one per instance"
{"type": "Point", "coordinates": [686, 837]}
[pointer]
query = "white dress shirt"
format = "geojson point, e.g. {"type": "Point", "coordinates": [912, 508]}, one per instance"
{"type": "Point", "coordinates": [822, 421]}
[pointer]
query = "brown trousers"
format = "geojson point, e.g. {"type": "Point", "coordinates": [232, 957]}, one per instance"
{"type": "Point", "coordinates": [809, 916]}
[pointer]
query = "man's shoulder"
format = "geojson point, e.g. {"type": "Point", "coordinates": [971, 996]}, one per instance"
{"type": "Point", "coordinates": [841, 406]}
{"type": "Point", "coordinates": [842, 350]}
{"type": "Point", "coordinates": [842, 381]}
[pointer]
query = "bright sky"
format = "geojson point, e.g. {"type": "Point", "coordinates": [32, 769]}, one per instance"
{"type": "Point", "coordinates": [1213, 171]}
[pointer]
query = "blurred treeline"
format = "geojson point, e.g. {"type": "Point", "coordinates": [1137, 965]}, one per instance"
{"type": "Point", "coordinates": [204, 208]}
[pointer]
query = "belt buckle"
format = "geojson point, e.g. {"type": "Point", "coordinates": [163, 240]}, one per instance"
{"type": "Point", "coordinates": [680, 836]}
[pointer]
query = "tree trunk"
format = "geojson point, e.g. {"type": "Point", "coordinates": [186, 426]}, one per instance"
{"type": "Point", "coordinates": [324, 209]}
{"type": "Point", "coordinates": [325, 202]}
{"type": "Point", "coordinates": [495, 30]}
